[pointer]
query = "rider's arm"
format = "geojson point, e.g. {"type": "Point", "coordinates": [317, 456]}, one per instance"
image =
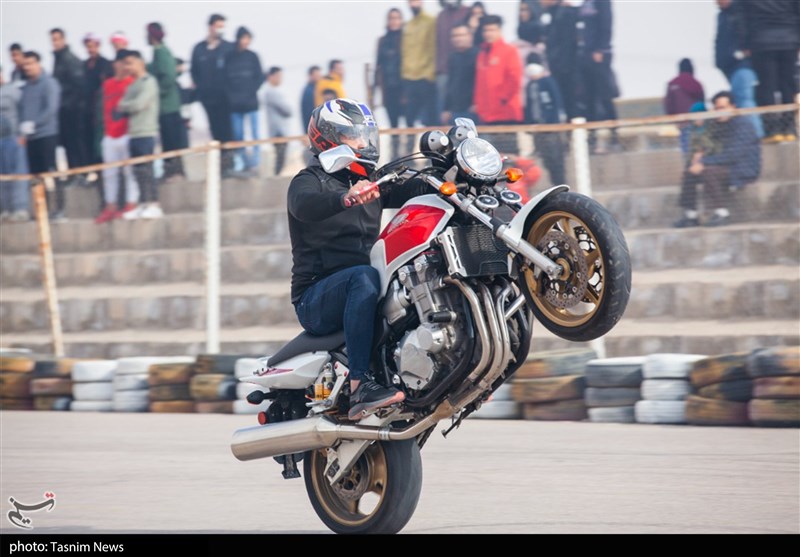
{"type": "Point", "coordinates": [308, 202]}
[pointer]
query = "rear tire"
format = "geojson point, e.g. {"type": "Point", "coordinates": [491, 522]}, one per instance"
{"type": "Point", "coordinates": [390, 471]}
{"type": "Point", "coordinates": [581, 235]}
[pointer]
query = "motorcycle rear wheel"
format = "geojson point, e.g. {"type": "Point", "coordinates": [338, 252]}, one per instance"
{"type": "Point", "coordinates": [378, 496]}
{"type": "Point", "coordinates": [590, 296]}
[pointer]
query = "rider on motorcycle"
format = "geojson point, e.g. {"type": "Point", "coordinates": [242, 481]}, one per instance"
{"type": "Point", "coordinates": [333, 223]}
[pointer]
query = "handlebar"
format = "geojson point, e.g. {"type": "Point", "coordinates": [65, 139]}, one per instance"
{"type": "Point", "coordinates": [352, 200]}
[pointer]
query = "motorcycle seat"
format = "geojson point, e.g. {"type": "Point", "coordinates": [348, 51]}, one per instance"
{"type": "Point", "coordinates": [305, 342]}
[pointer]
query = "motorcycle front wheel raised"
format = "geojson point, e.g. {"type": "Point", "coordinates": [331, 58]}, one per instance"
{"type": "Point", "coordinates": [590, 295]}
{"type": "Point", "coordinates": [377, 496]}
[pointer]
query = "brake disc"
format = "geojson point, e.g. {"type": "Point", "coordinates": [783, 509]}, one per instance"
{"type": "Point", "coordinates": [354, 484]}
{"type": "Point", "coordinates": [568, 289]}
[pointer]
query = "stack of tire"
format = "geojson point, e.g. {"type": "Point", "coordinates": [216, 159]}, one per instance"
{"type": "Point", "coordinates": [245, 367]}
{"type": "Point", "coordinates": [131, 387]}
{"type": "Point", "coordinates": [721, 390]}
{"type": "Point", "coordinates": [613, 389]}
{"type": "Point", "coordinates": [213, 385]}
{"type": "Point", "coordinates": [550, 385]}
{"type": "Point", "coordinates": [51, 385]}
{"type": "Point", "coordinates": [501, 406]}
{"type": "Point", "coordinates": [92, 388]}
{"type": "Point", "coordinates": [168, 387]}
{"type": "Point", "coordinates": [15, 379]}
{"type": "Point", "coordinates": [776, 387]}
{"type": "Point", "coordinates": [665, 386]}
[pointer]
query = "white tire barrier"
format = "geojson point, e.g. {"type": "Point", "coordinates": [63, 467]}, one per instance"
{"type": "Point", "coordinates": [665, 389]}
{"type": "Point", "coordinates": [660, 412]}
{"type": "Point", "coordinates": [94, 371]}
{"type": "Point", "coordinates": [96, 391]}
{"type": "Point", "coordinates": [669, 366]}
{"type": "Point", "coordinates": [612, 414]}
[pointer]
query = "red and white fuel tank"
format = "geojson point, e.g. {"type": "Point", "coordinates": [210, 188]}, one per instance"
{"type": "Point", "coordinates": [408, 234]}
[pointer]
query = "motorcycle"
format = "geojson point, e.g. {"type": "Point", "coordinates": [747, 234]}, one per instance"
{"type": "Point", "coordinates": [464, 271]}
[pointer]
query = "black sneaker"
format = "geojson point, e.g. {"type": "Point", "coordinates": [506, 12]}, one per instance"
{"type": "Point", "coordinates": [686, 222]}
{"type": "Point", "coordinates": [718, 220]}
{"type": "Point", "coordinates": [370, 396]}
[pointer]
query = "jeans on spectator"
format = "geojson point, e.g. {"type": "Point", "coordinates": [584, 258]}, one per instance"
{"type": "Point", "coordinates": [169, 126]}
{"type": "Point", "coordinates": [550, 147]}
{"type": "Point", "coordinates": [238, 120]}
{"type": "Point", "coordinates": [117, 149]}
{"type": "Point", "coordinates": [420, 105]}
{"type": "Point", "coordinates": [42, 158]}
{"type": "Point", "coordinates": [145, 176]}
{"type": "Point", "coordinates": [775, 70]}
{"type": "Point", "coordinates": [684, 138]}
{"type": "Point", "coordinates": [345, 300]}
{"type": "Point", "coordinates": [219, 121]}
{"type": "Point", "coordinates": [71, 125]}
{"type": "Point", "coordinates": [715, 188]}
{"type": "Point", "coordinates": [565, 77]}
{"type": "Point", "coordinates": [14, 195]}
{"type": "Point", "coordinates": [743, 88]}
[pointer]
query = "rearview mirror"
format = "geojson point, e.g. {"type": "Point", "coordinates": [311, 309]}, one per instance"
{"type": "Point", "coordinates": [339, 158]}
{"type": "Point", "coordinates": [467, 123]}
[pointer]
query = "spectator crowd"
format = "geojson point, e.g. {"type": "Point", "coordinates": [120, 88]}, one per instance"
{"type": "Point", "coordinates": [429, 70]}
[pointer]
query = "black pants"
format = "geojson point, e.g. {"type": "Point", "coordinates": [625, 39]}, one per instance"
{"type": "Point", "coordinates": [550, 148]}
{"type": "Point", "coordinates": [715, 188]}
{"type": "Point", "coordinates": [420, 97]}
{"type": "Point", "coordinates": [42, 158]}
{"type": "Point", "coordinates": [775, 70]}
{"type": "Point", "coordinates": [171, 140]}
{"type": "Point", "coordinates": [141, 146]}
{"type": "Point", "coordinates": [506, 143]}
{"type": "Point", "coordinates": [280, 157]}
{"type": "Point", "coordinates": [567, 85]}
{"type": "Point", "coordinates": [393, 102]}
{"type": "Point", "coordinates": [219, 121]}
{"type": "Point", "coordinates": [72, 130]}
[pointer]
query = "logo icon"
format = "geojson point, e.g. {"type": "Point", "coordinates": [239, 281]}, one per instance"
{"type": "Point", "coordinates": [19, 520]}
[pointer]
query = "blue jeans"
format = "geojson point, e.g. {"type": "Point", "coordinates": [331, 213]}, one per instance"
{"type": "Point", "coordinates": [743, 88]}
{"type": "Point", "coordinates": [237, 123]}
{"type": "Point", "coordinates": [345, 300]}
{"type": "Point", "coordinates": [13, 195]}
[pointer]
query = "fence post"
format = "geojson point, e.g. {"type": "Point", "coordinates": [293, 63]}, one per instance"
{"type": "Point", "coordinates": [48, 270]}
{"type": "Point", "coordinates": [213, 200]}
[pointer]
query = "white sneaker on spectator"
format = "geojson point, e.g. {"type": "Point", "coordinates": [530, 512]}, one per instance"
{"type": "Point", "coordinates": [152, 211]}
{"type": "Point", "coordinates": [133, 214]}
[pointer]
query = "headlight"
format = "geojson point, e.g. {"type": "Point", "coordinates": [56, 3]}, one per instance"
{"type": "Point", "coordinates": [479, 159]}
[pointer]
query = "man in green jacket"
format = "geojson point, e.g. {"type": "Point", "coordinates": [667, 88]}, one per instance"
{"type": "Point", "coordinates": [164, 69]}
{"type": "Point", "coordinates": [418, 54]}
{"type": "Point", "coordinates": [140, 104]}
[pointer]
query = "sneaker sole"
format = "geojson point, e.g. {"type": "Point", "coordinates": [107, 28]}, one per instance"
{"type": "Point", "coordinates": [366, 408]}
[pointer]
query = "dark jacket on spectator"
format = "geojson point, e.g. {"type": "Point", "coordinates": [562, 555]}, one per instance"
{"type": "Point", "coordinates": [771, 25]}
{"type": "Point", "coordinates": [597, 26]}
{"type": "Point", "coordinates": [529, 31]}
{"type": "Point", "coordinates": [243, 78]}
{"type": "Point", "coordinates": [460, 80]}
{"type": "Point", "coordinates": [96, 72]}
{"type": "Point", "coordinates": [682, 93]}
{"type": "Point", "coordinates": [68, 71]}
{"type": "Point", "coordinates": [307, 105]}
{"type": "Point", "coordinates": [741, 150]}
{"type": "Point", "coordinates": [729, 39]}
{"type": "Point", "coordinates": [388, 64]}
{"type": "Point", "coordinates": [208, 71]}
{"type": "Point", "coordinates": [543, 104]}
{"type": "Point", "coordinates": [560, 37]}
{"type": "Point", "coordinates": [445, 21]}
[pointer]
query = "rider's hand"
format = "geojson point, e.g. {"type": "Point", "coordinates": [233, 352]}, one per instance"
{"type": "Point", "coordinates": [363, 192]}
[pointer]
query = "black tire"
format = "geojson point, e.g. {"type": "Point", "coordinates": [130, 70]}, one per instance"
{"type": "Point", "coordinates": [397, 502]}
{"type": "Point", "coordinates": [611, 396]}
{"type": "Point", "coordinates": [614, 272]}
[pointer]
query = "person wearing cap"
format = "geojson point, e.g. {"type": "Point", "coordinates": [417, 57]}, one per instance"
{"type": "Point", "coordinates": [243, 78]}
{"type": "Point", "coordinates": [208, 74]}
{"type": "Point", "coordinates": [164, 69]}
{"type": "Point", "coordinates": [96, 70]}
{"type": "Point", "coordinates": [69, 72]}
{"type": "Point", "coordinates": [118, 41]}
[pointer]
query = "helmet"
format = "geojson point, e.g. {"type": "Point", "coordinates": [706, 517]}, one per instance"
{"type": "Point", "coordinates": [345, 122]}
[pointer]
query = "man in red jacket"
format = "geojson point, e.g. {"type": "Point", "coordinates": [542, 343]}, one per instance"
{"type": "Point", "coordinates": [498, 83]}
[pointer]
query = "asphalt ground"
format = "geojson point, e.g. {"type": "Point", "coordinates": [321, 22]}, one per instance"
{"type": "Point", "coordinates": [127, 473]}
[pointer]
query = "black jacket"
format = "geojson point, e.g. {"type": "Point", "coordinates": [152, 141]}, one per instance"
{"type": "Point", "coordinates": [597, 27]}
{"type": "Point", "coordinates": [543, 104]}
{"type": "Point", "coordinates": [95, 75]}
{"type": "Point", "coordinates": [68, 71]}
{"type": "Point", "coordinates": [771, 25]}
{"type": "Point", "coordinates": [243, 77]}
{"type": "Point", "coordinates": [389, 61]}
{"type": "Point", "coordinates": [729, 39]}
{"type": "Point", "coordinates": [327, 237]}
{"type": "Point", "coordinates": [560, 37]}
{"type": "Point", "coordinates": [208, 71]}
{"type": "Point", "coordinates": [460, 80]}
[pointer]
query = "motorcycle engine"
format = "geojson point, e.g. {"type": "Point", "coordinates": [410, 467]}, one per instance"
{"type": "Point", "coordinates": [433, 345]}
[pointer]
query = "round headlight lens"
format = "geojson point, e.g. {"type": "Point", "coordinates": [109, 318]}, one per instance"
{"type": "Point", "coordinates": [479, 159]}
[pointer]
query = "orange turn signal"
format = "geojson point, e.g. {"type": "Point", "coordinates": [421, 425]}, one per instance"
{"type": "Point", "coordinates": [448, 188]}
{"type": "Point", "coordinates": [514, 175]}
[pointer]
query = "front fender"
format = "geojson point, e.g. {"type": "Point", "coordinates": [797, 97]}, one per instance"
{"type": "Point", "coordinates": [517, 224]}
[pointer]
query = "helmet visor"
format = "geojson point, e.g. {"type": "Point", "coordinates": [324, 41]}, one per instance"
{"type": "Point", "coordinates": [361, 138]}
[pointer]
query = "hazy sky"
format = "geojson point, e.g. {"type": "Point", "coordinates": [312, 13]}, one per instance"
{"type": "Point", "coordinates": [650, 36]}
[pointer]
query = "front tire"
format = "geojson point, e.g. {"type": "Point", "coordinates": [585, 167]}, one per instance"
{"type": "Point", "coordinates": [378, 496]}
{"type": "Point", "coordinates": [590, 296]}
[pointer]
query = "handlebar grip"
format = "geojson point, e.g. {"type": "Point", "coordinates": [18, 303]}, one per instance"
{"type": "Point", "coordinates": [350, 201]}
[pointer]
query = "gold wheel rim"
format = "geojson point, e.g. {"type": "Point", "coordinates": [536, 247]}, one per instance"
{"type": "Point", "coordinates": [567, 223]}
{"type": "Point", "coordinates": [347, 511]}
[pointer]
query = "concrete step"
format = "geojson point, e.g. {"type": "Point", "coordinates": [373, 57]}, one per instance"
{"type": "Point", "coordinates": [637, 208]}
{"type": "Point", "coordinates": [737, 246]}
{"type": "Point", "coordinates": [630, 337]}
{"type": "Point", "coordinates": [752, 292]}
